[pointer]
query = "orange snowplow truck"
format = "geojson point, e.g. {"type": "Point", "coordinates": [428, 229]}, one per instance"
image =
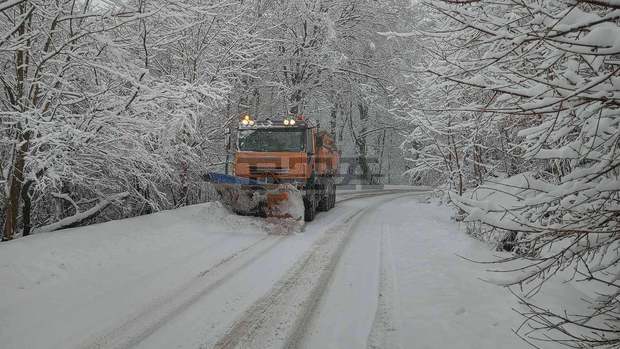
{"type": "Point", "coordinates": [291, 151]}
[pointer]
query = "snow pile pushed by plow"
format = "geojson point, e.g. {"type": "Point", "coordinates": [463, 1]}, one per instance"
{"type": "Point", "coordinates": [287, 216]}
{"type": "Point", "coordinates": [281, 204]}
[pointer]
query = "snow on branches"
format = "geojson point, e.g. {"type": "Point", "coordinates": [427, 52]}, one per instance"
{"type": "Point", "coordinates": [106, 98]}
{"type": "Point", "coordinates": [521, 101]}
{"type": "Point", "coordinates": [100, 98]}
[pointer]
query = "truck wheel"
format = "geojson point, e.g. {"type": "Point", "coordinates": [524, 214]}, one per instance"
{"type": "Point", "coordinates": [309, 210]}
{"type": "Point", "coordinates": [324, 204]}
{"type": "Point", "coordinates": [332, 197]}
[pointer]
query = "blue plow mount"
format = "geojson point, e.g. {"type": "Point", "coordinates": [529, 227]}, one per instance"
{"type": "Point", "coordinates": [220, 178]}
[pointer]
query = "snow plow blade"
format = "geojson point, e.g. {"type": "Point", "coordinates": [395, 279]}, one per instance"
{"type": "Point", "coordinates": [250, 197]}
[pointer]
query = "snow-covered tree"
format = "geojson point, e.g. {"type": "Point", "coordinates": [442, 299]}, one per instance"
{"type": "Point", "coordinates": [520, 100]}
{"type": "Point", "coordinates": [326, 59]}
{"type": "Point", "coordinates": [116, 108]}
{"type": "Point", "coordinates": [99, 100]}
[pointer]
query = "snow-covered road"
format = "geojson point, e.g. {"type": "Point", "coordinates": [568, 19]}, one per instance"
{"type": "Point", "coordinates": [378, 271]}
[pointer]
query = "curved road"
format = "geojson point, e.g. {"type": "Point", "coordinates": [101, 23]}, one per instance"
{"type": "Point", "coordinates": [287, 294]}
{"type": "Point", "coordinates": [378, 271]}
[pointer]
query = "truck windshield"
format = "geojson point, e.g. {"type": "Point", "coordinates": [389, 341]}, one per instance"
{"type": "Point", "coordinates": [266, 140]}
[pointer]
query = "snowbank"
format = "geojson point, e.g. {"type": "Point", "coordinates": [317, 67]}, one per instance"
{"type": "Point", "coordinates": [99, 273]}
{"type": "Point", "coordinates": [33, 261]}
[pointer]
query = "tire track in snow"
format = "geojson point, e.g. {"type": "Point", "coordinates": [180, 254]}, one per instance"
{"type": "Point", "coordinates": [160, 311]}
{"type": "Point", "coordinates": [281, 317]}
{"type": "Point", "coordinates": [279, 307]}
{"type": "Point", "coordinates": [384, 333]}
{"type": "Point", "coordinates": [361, 195]}
{"type": "Point", "coordinates": [157, 313]}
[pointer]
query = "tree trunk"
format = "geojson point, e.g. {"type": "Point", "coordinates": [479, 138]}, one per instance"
{"type": "Point", "coordinates": [335, 114]}
{"type": "Point", "coordinates": [27, 226]}
{"type": "Point", "coordinates": [22, 139]}
{"type": "Point", "coordinates": [16, 180]}
{"type": "Point", "coordinates": [296, 99]}
{"type": "Point", "coordinates": [333, 119]}
{"type": "Point", "coordinates": [362, 147]}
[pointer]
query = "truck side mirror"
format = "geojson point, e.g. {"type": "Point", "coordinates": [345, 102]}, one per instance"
{"type": "Point", "coordinates": [319, 142]}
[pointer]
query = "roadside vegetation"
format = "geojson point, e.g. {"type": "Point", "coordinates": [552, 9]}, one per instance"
{"type": "Point", "coordinates": [113, 109]}
{"type": "Point", "coordinates": [515, 107]}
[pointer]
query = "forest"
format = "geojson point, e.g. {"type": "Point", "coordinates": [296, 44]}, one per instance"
{"type": "Point", "coordinates": [510, 109]}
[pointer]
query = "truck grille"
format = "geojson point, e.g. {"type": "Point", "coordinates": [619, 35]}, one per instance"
{"type": "Point", "coordinates": [256, 170]}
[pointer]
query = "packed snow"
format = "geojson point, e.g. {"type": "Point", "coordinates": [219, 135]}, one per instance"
{"type": "Point", "coordinates": [185, 278]}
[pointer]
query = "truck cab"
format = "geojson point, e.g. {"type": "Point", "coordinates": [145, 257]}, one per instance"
{"type": "Point", "coordinates": [289, 150]}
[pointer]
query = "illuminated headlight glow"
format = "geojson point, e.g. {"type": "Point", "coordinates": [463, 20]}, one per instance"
{"type": "Point", "coordinates": [292, 122]}
{"type": "Point", "coordinates": [247, 120]}
{"type": "Point", "coordinates": [286, 122]}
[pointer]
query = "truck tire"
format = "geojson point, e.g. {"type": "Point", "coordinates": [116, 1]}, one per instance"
{"type": "Point", "coordinates": [309, 209]}
{"type": "Point", "coordinates": [323, 205]}
{"type": "Point", "coordinates": [332, 197]}
{"type": "Point", "coordinates": [325, 200]}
